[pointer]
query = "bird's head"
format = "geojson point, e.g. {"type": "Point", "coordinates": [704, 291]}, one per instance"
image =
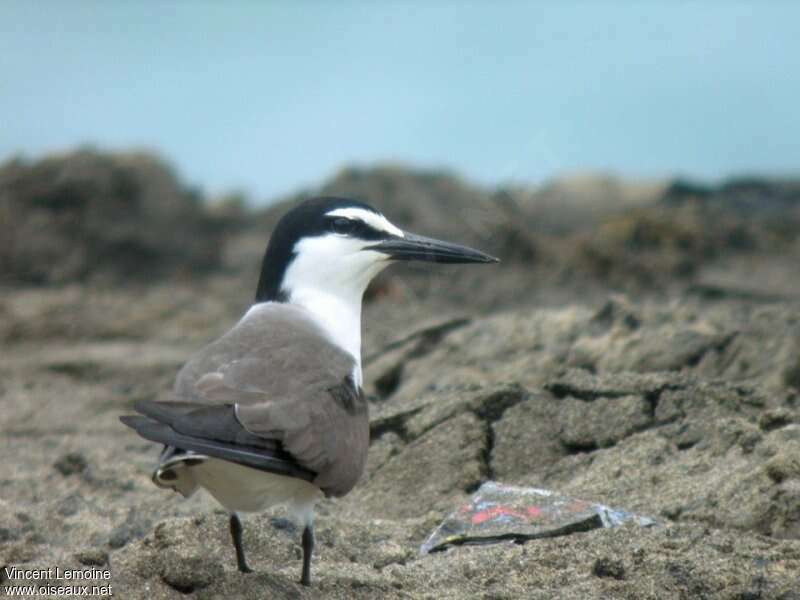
{"type": "Point", "coordinates": [339, 245]}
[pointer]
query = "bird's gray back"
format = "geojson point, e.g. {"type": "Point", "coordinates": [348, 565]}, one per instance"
{"type": "Point", "coordinates": [290, 383]}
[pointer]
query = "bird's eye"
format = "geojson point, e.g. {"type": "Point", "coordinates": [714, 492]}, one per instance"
{"type": "Point", "coordinates": [342, 225]}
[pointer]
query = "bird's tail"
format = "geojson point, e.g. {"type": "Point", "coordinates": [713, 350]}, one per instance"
{"type": "Point", "coordinates": [175, 471]}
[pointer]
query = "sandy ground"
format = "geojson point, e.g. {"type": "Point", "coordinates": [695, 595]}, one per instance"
{"type": "Point", "coordinates": [680, 409]}
{"type": "Point", "coordinates": [649, 361]}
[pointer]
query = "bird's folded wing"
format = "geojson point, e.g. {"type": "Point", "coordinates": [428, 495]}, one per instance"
{"type": "Point", "coordinates": [286, 383]}
{"type": "Point", "coordinates": [168, 428]}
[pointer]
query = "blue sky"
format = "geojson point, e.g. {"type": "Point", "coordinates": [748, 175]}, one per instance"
{"type": "Point", "coordinates": [270, 97]}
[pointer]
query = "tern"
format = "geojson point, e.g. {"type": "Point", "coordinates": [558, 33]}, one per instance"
{"type": "Point", "coordinates": [273, 412]}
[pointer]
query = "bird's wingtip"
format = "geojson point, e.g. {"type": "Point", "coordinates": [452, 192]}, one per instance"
{"type": "Point", "coordinates": [131, 420]}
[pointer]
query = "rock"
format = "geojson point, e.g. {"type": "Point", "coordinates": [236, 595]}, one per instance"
{"type": "Point", "coordinates": [785, 465]}
{"type": "Point", "coordinates": [775, 419]}
{"type": "Point", "coordinates": [71, 464]}
{"type": "Point", "coordinates": [586, 426]}
{"type": "Point", "coordinates": [440, 464]}
{"type": "Point", "coordinates": [750, 196]}
{"type": "Point", "coordinates": [608, 567]}
{"type": "Point", "coordinates": [70, 505]}
{"type": "Point", "coordinates": [92, 557]}
{"type": "Point", "coordinates": [530, 425]}
{"type": "Point", "coordinates": [88, 214]}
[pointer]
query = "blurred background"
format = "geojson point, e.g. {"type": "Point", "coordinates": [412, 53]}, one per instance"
{"type": "Point", "coordinates": [639, 147]}
{"type": "Point", "coordinates": [269, 98]}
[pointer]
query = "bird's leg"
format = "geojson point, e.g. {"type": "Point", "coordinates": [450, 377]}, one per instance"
{"type": "Point", "coordinates": [308, 548]}
{"type": "Point", "coordinates": [236, 534]}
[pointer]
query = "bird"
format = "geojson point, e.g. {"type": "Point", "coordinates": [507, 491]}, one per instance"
{"type": "Point", "coordinates": [273, 412]}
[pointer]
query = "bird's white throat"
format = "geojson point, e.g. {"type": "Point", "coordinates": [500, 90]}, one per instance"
{"type": "Point", "coordinates": [339, 317]}
{"type": "Point", "coordinates": [328, 277]}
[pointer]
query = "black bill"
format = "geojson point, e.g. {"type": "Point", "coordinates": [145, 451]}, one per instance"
{"type": "Point", "coordinates": [417, 247]}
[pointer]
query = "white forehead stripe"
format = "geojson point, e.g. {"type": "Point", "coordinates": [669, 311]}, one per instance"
{"type": "Point", "coordinates": [372, 219]}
